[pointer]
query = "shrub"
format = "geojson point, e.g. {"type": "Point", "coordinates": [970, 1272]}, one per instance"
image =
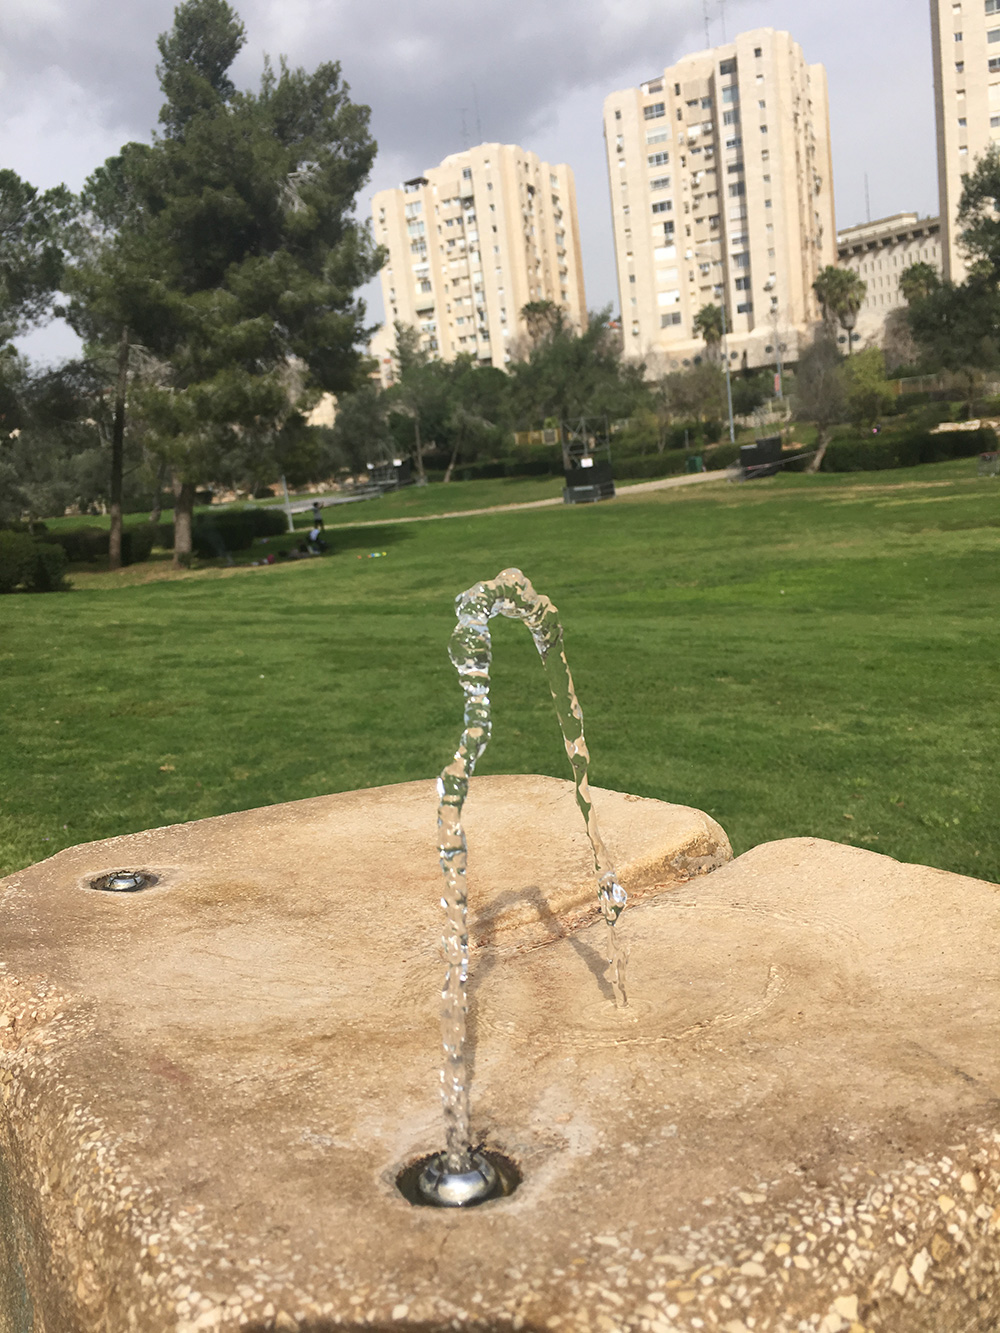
{"type": "Point", "coordinates": [29, 564]}
{"type": "Point", "coordinates": [877, 452]}
{"type": "Point", "coordinates": [90, 545]}
{"type": "Point", "coordinates": [215, 534]}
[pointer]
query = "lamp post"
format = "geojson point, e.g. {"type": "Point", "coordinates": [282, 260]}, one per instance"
{"type": "Point", "coordinates": [725, 345]}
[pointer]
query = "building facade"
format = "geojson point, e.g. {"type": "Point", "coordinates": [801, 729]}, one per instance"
{"type": "Point", "coordinates": [721, 186]}
{"type": "Point", "coordinates": [965, 38]}
{"type": "Point", "coordinates": [878, 252]}
{"type": "Point", "coordinates": [473, 241]}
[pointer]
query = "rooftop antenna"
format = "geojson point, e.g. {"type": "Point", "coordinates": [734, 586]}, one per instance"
{"type": "Point", "coordinates": [479, 123]}
{"type": "Point", "coordinates": [465, 132]}
{"type": "Point", "coordinates": [708, 33]}
{"type": "Point", "coordinates": [722, 20]}
{"type": "Point", "coordinates": [868, 202]}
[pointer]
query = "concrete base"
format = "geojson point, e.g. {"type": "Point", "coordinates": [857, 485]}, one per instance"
{"type": "Point", "coordinates": [208, 1087]}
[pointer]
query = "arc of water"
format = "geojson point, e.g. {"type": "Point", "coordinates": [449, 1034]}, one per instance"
{"type": "Point", "coordinates": [470, 648]}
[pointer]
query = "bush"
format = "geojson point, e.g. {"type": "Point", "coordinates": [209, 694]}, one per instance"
{"type": "Point", "coordinates": [90, 545]}
{"type": "Point", "coordinates": [233, 529]}
{"type": "Point", "coordinates": [29, 564]}
{"type": "Point", "coordinates": [875, 453]}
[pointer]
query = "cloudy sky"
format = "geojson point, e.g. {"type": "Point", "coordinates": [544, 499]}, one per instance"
{"type": "Point", "coordinates": [77, 80]}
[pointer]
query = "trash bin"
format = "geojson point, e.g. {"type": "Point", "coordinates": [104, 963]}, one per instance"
{"type": "Point", "coordinates": [695, 463]}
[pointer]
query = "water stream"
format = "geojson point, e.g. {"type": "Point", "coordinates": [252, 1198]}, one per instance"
{"type": "Point", "coordinates": [509, 594]}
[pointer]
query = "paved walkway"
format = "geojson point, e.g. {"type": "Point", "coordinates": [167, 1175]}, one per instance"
{"type": "Point", "coordinates": [639, 488]}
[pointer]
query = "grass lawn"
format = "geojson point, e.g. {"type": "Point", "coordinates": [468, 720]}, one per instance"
{"type": "Point", "coordinates": [802, 655]}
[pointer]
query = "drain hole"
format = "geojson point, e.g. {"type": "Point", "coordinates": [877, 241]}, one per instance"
{"type": "Point", "coordinates": [123, 881]}
{"type": "Point", "coordinates": [506, 1172]}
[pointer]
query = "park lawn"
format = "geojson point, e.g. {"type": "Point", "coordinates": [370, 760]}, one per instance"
{"type": "Point", "coordinates": [799, 656]}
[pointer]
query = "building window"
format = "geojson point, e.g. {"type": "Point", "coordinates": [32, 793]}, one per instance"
{"type": "Point", "coordinates": [742, 284]}
{"type": "Point", "coordinates": [959, 66]}
{"type": "Point", "coordinates": [734, 167]}
{"type": "Point", "coordinates": [730, 117]}
{"type": "Point", "coordinates": [763, 129]}
{"type": "Point", "coordinates": [731, 94]}
{"type": "Point", "coordinates": [663, 206]}
{"type": "Point", "coordinates": [993, 35]}
{"type": "Point", "coordinates": [995, 122]}
{"type": "Point", "coordinates": [745, 308]}
{"type": "Point", "coordinates": [654, 111]}
{"type": "Point", "coordinates": [994, 64]}
{"type": "Point", "coordinates": [667, 320]}
{"type": "Point", "coordinates": [958, 36]}
{"type": "Point", "coordinates": [962, 122]}
{"type": "Point", "coordinates": [657, 136]}
{"type": "Point", "coordinates": [767, 203]}
{"type": "Point", "coordinates": [741, 261]}
{"type": "Point", "coordinates": [660, 183]}
{"type": "Point", "coordinates": [467, 173]}
{"type": "Point", "coordinates": [737, 189]}
{"type": "Point", "coordinates": [727, 67]}
{"type": "Point", "coordinates": [618, 115]}
{"type": "Point", "coordinates": [658, 159]}
{"type": "Point", "coordinates": [993, 6]}
{"type": "Point", "coordinates": [758, 51]}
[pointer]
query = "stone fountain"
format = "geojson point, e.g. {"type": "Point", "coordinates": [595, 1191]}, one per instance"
{"type": "Point", "coordinates": [212, 1076]}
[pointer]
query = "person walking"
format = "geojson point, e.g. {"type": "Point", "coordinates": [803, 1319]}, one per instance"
{"type": "Point", "coordinates": [317, 514]}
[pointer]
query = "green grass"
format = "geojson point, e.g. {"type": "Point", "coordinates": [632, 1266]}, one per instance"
{"type": "Point", "coordinates": [796, 656]}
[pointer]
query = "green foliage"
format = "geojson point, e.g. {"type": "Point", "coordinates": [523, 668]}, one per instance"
{"type": "Point", "coordinates": [979, 218]}
{"type": "Point", "coordinates": [29, 565]}
{"type": "Point", "coordinates": [819, 385]}
{"type": "Point", "coordinates": [227, 530]}
{"type": "Point", "coordinates": [708, 324]}
{"type": "Point", "coordinates": [89, 545]}
{"type": "Point", "coordinates": [196, 55]}
{"type": "Point", "coordinates": [917, 281]}
{"type": "Point", "coordinates": [866, 390]}
{"type": "Point", "coordinates": [840, 293]}
{"type": "Point", "coordinates": [33, 230]}
{"type": "Point", "coordinates": [905, 449]}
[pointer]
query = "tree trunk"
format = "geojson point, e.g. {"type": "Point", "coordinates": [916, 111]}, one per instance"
{"type": "Point", "coordinates": [183, 511]}
{"type": "Point", "coordinates": [822, 440]}
{"type": "Point", "coordinates": [419, 453]}
{"type": "Point", "coordinates": [118, 455]}
{"type": "Point", "coordinates": [156, 513]}
{"type": "Point", "coordinates": [451, 463]}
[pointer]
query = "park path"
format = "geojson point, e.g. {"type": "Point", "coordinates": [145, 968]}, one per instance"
{"type": "Point", "coordinates": [640, 488]}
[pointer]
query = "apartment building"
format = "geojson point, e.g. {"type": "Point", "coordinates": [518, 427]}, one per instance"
{"type": "Point", "coordinates": [878, 252]}
{"type": "Point", "coordinates": [473, 241]}
{"type": "Point", "coordinates": [965, 38]}
{"type": "Point", "coordinates": [721, 189]}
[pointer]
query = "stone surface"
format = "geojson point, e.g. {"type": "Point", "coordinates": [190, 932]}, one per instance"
{"type": "Point", "coordinates": [206, 1089]}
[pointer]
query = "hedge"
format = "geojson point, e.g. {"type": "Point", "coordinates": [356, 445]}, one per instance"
{"type": "Point", "coordinates": [30, 565]}
{"type": "Point", "coordinates": [90, 545]}
{"type": "Point", "coordinates": [879, 452]}
{"type": "Point", "coordinates": [216, 534]}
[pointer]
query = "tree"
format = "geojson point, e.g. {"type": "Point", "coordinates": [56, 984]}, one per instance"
{"type": "Point", "coordinates": [840, 293]}
{"type": "Point", "coordinates": [958, 327]}
{"type": "Point", "coordinates": [819, 391]}
{"type": "Point", "coordinates": [241, 257]}
{"type": "Point", "coordinates": [709, 324]}
{"type": "Point", "coordinates": [570, 375]}
{"type": "Point", "coordinates": [33, 230]}
{"type": "Point", "coordinates": [866, 391]}
{"type": "Point", "coordinates": [979, 219]}
{"type": "Point", "coordinates": [918, 281]}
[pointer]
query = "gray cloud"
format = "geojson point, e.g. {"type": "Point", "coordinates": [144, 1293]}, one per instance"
{"type": "Point", "coordinates": [77, 79]}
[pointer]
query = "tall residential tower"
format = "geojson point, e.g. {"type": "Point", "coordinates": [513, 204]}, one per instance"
{"type": "Point", "coordinates": [966, 43]}
{"type": "Point", "coordinates": [473, 241]}
{"type": "Point", "coordinates": [721, 187]}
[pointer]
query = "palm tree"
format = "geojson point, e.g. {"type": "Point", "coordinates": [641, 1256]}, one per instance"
{"type": "Point", "coordinates": [918, 281]}
{"type": "Point", "coordinates": [709, 323]}
{"type": "Point", "coordinates": [840, 293]}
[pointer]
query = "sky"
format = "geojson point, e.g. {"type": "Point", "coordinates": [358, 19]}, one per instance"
{"type": "Point", "coordinates": [78, 80]}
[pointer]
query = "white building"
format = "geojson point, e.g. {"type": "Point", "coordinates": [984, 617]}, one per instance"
{"type": "Point", "coordinates": [470, 243]}
{"type": "Point", "coordinates": [721, 185]}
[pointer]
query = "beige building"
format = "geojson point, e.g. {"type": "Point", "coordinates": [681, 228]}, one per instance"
{"type": "Point", "coordinates": [966, 44]}
{"type": "Point", "coordinates": [473, 241]}
{"type": "Point", "coordinates": [721, 186]}
{"type": "Point", "coordinates": [878, 252]}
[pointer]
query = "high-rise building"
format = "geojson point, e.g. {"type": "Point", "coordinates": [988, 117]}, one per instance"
{"type": "Point", "coordinates": [966, 43]}
{"type": "Point", "coordinates": [879, 252]}
{"type": "Point", "coordinates": [473, 241]}
{"type": "Point", "coordinates": [722, 190]}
